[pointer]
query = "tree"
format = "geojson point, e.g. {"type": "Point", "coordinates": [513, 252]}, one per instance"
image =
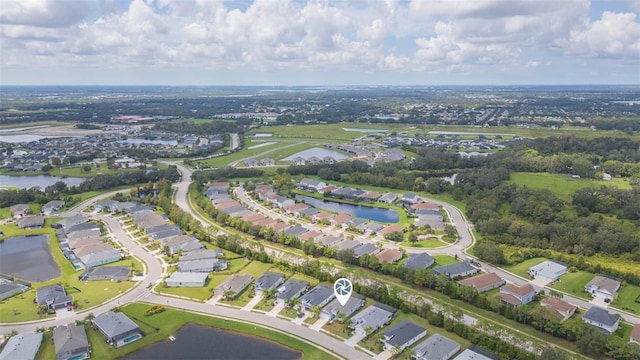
{"type": "Point", "coordinates": [315, 310]}
{"type": "Point", "coordinates": [269, 293]}
{"type": "Point", "coordinates": [413, 238]}
{"type": "Point", "coordinates": [229, 294]}
{"type": "Point", "coordinates": [396, 351]}
{"type": "Point", "coordinates": [489, 252]}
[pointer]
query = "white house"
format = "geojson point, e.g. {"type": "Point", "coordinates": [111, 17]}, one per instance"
{"type": "Point", "coordinates": [601, 319]}
{"type": "Point", "coordinates": [604, 287]}
{"type": "Point", "coordinates": [549, 271]}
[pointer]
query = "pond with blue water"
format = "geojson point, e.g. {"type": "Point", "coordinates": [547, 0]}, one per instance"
{"type": "Point", "coordinates": [29, 258]}
{"type": "Point", "coordinates": [365, 212]}
{"type": "Point", "coordinates": [41, 181]}
{"type": "Point", "coordinates": [194, 341]}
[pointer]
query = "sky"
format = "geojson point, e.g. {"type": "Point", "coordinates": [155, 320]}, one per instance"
{"type": "Point", "coordinates": [319, 42]}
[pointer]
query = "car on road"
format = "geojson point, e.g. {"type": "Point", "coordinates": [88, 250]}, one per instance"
{"type": "Point", "coordinates": [148, 285]}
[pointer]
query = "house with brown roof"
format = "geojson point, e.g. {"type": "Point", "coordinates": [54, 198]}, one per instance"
{"type": "Point", "coordinates": [313, 234]}
{"type": "Point", "coordinates": [279, 226]}
{"type": "Point", "coordinates": [370, 196]}
{"type": "Point", "coordinates": [321, 216]}
{"type": "Point", "coordinates": [561, 309]}
{"type": "Point", "coordinates": [483, 282]}
{"type": "Point", "coordinates": [227, 204]}
{"type": "Point", "coordinates": [635, 334]}
{"type": "Point", "coordinates": [391, 229]}
{"type": "Point", "coordinates": [517, 295]}
{"type": "Point", "coordinates": [264, 222]}
{"type": "Point", "coordinates": [389, 255]}
{"type": "Point", "coordinates": [340, 219]}
{"type": "Point", "coordinates": [295, 209]}
{"type": "Point", "coordinates": [253, 217]}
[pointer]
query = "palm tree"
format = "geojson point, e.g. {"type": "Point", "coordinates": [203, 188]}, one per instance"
{"type": "Point", "coordinates": [229, 294]}
{"type": "Point", "coordinates": [315, 310]}
{"type": "Point", "coordinates": [269, 293]}
{"type": "Point", "coordinates": [396, 351]}
{"type": "Point", "coordinates": [347, 325]}
{"type": "Point", "coordinates": [368, 330]}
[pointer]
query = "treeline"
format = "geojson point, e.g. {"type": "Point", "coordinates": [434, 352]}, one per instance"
{"type": "Point", "coordinates": [212, 126]}
{"type": "Point", "coordinates": [225, 173]}
{"type": "Point", "coordinates": [99, 182]}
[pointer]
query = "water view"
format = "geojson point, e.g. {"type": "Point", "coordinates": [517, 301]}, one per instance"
{"type": "Point", "coordinates": [365, 212]}
{"type": "Point", "coordinates": [41, 181]}
{"type": "Point", "coordinates": [204, 342]}
{"type": "Point", "coordinates": [28, 258]}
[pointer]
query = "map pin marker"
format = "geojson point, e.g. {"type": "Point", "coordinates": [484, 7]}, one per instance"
{"type": "Point", "coordinates": [343, 289]}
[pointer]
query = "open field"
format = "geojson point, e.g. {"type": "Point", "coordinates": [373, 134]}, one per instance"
{"type": "Point", "coordinates": [160, 326]}
{"type": "Point", "coordinates": [87, 293]}
{"type": "Point", "coordinates": [425, 244]}
{"type": "Point", "coordinates": [562, 184]}
{"type": "Point", "coordinates": [574, 283]}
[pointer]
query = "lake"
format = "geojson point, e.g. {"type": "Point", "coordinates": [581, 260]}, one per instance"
{"type": "Point", "coordinates": [137, 141]}
{"type": "Point", "coordinates": [365, 212]}
{"type": "Point", "coordinates": [28, 258]}
{"type": "Point", "coordinates": [203, 342]}
{"type": "Point", "coordinates": [41, 181]}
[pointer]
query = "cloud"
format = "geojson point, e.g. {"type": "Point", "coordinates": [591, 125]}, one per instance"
{"type": "Point", "coordinates": [43, 13]}
{"type": "Point", "coordinates": [615, 35]}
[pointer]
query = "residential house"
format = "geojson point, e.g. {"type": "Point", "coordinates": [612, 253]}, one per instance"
{"type": "Point", "coordinates": [235, 284]}
{"type": "Point", "coordinates": [98, 258]}
{"type": "Point", "coordinates": [355, 302]}
{"type": "Point", "coordinates": [251, 163]}
{"type": "Point", "coordinates": [402, 335]}
{"type": "Point", "coordinates": [296, 209]}
{"type": "Point", "coordinates": [10, 289]}
{"type": "Point", "coordinates": [389, 255]}
{"type": "Point", "coordinates": [310, 235]}
{"type": "Point", "coordinates": [456, 270]}
{"type": "Point", "coordinates": [282, 202]}
{"type": "Point", "coordinates": [112, 273]}
{"type": "Point", "coordinates": [483, 282]}
{"type": "Point", "coordinates": [475, 352]}
{"type": "Point", "coordinates": [30, 222]}
{"type": "Point", "coordinates": [23, 346]}
{"type": "Point", "coordinates": [117, 328]}
{"type": "Point", "coordinates": [278, 226]}
{"type": "Point", "coordinates": [51, 206]}
{"type": "Point", "coordinates": [365, 249]}
{"type": "Point", "coordinates": [374, 316]}
{"type": "Point", "coordinates": [419, 261]}
{"type": "Point", "coordinates": [410, 199]}
{"type": "Point", "coordinates": [53, 296]}
{"type": "Point", "coordinates": [296, 230]}
{"type": "Point", "coordinates": [71, 221]}
{"type": "Point", "coordinates": [388, 198]}
{"type": "Point", "coordinates": [19, 210]}
{"type": "Point", "coordinates": [327, 240]}
{"type": "Point", "coordinates": [559, 308]}
{"type": "Point", "coordinates": [603, 286]}
{"type": "Point", "coordinates": [291, 289]}
{"type": "Point", "coordinates": [267, 162]}
{"type": "Point", "coordinates": [391, 229]}
{"type": "Point", "coordinates": [340, 219]}
{"type": "Point", "coordinates": [372, 228]}
{"type": "Point", "coordinates": [517, 295]}
{"type": "Point", "coordinates": [203, 265]}
{"type": "Point", "coordinates": [318, 296]}
{"type": "Point", "coordinates": [268, 281]}
{"type": "Point", "coordinates": [602, 319]}
{"type": "Point", "coordinates": [71, 342]}
{"type": "Point", "coordinates": [347, 245]}
{"type": "Point", "coordinates": [107, 205]}
{"type": "Point", "coordinates": [436, 347]}
{"type": "Point", "coordinates": [548, 271]}
{"type": "Point", "coordinates": [635, 334]}
{"type": "Point", "coordinates": [202, 254]}
{"type": "Point", "coordinates": [187, 279]}
{"type": "Point", "coordinates": [424, 208]}
{"type": "Point", "coordinates": [370, 196]}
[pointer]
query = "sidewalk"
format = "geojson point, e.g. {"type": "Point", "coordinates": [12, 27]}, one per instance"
{"type": "Point", "coordinates": [256, 299]}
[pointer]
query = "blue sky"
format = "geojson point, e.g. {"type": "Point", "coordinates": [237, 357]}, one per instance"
{"type": "Point", "coordinates": [318, 42]}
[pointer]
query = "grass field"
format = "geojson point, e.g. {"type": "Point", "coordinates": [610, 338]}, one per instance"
{"type": "Point", "coordinates": [88, 294]}
{"type": "Point", "coordinates": [629, 299]}
{"type": "Point", "coordinates": [160, 326]}
{"type": "Point", "coordinates": [574, 283]}
{"type": "Point", "coordinates": [523, 267]}
{"type": "Point", "coordinates": [426, 244]}
{"type": "Point", "coordinates": [280, 154]}
{"type": "Point", "coordinates": [562, 184]}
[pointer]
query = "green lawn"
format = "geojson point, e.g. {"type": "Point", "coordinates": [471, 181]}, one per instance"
{"type": "Point", "coordinates": [87, 294]}
{"type": "Point", "coordinates": [223, 161]}
{"type": "Point", "coordinates": [265, 305]}
{"type": "Point", "coordinates": [290, 313]}
{"type": "Point", "coordinates": [442, 260]}
{"type": "Point", "coordinates": [280, 154]}
{"type": "Point", "coordinates": [629, 299]}
{"type": "Point", "coordinates": [256, 268]}
{"type": "Point", "coordinates": [337, 329]}
{"type": "Point", "coordinates": [562, 184]}
{"type": "Point", "coordinates": [331, 132]}
{"type": "Point", "coordinates": [574, 283]}
{"type": "Point", "coordinates": [426, 244]}
{"type": "Point", "coordinates": [523, 267]}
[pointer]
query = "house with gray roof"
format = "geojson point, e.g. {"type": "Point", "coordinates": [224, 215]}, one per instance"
{"type": "Point", "coordinates": [81, 227]}
{"type": "Point", "coordinates": [293, 288]}
{"type": "Point", "coordinates": [187, 279]}
{"type": "Point", "coordinates": [402, 335]}
{"type": "Point", "coordinates": [71, 342]}
{"type": "Point", "coordinates": [347, 245]}
{"type": "Point", "coordinates": [268, 281]}
{"type": "Point", "coordinates": [19, 210]}
{"type": "Point", "coordinates": [603, 286]}
{"type": "Point", "coordinates": [183, 242]}
{"type": "Point", "coordinates": [71, 221]}
{"type": "Point", "coordinates": [436, 347]}
{"type": "Point", "coordinates": [102, 257]}
{"type": "Point", "coordinates": [235, 284]}
{"type": "Point", "coordinates": [375, 316]}
{"type": "Point", "coordinates": [51, 206]}
{"type": "Point", "coordinates": [365, 249]}
{"type": "Point", "coordinates": [83, 234]}
{"type": "Point", "coordinates": [163, 236]}
{"type": "Point", "coordinates": [201, 254]}
{"type": "Point", "coordinates": [602, 319]}
{"type": "Point", "coordinates": [372, 228]}
{"type": "Point", "coordinates": [107, 205]}
{"type": "Point", "coordinates": [388, 198]}
{"type": "Point", "coordinates": [419, 261]}
{"type": "Point", "coordinates": [8, 290]}
{"type": "Point", "coordinates": [30, 222]}
{"type": "Point", "coordinates": [475, 352]}
{"type": "Point", "coordinates": [23, 346]}
{"type": "Point", "coordinates": [161, 228]}
{"type": "Point", "coordinates": [53, 296]}
{"type": "Point", "coordinates": [456, 270]}
{"type": "Point", "coordinates": [203, 265]}
{"type": "Point", "coordinates": [549, 270]}
{"type": "Point", "coordinates": [355, 302]}
{"type": "Point", "coordinates": [296, 230]}
{"type": "Point", "coordinates": [327, 240]}
{"type": "Point", "coordinates": [318, 296]}
{"type": "Point", "coordinates": [114, 273]}
{"type": "Point", "coordinates": [117, 328]}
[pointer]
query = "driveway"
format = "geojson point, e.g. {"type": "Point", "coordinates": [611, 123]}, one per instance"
{"type": "Point", "coordinates": [254, 301]}
{"type": "Point", "coordinates": [276, 310]}
{"type": "Point", "coordinates": [319, 324]}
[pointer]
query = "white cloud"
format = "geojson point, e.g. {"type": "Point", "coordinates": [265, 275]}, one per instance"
{"type": "Point", "coordinates": [614, 35]}
{"type": "Point", "coordinates": [43, 13]}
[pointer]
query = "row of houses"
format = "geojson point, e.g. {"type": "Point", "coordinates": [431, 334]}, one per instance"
{"type": "Point", "coordinates": [71, 341]}
{"type": "Point", "coordinates": [83, 245]}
